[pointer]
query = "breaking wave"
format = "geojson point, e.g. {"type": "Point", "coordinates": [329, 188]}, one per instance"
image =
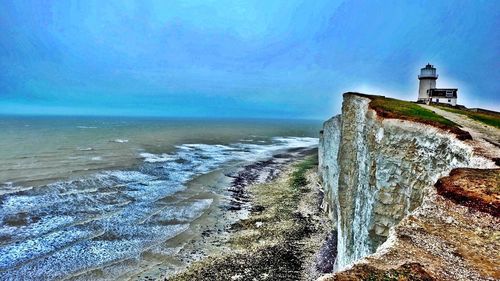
{"type": "Point", "coordinates": [68, 227]}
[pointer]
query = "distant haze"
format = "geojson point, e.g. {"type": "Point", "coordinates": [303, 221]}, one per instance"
{"type": "Point", "coordinates": [284, 59]}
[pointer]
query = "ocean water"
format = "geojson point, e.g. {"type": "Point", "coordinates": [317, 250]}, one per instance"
{"type": "Point", "coordinates": [86, 195]}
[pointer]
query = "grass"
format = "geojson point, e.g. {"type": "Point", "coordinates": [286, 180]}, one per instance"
{"type": "Point", "coordinates": [405, 110]}
{"type": "Point", "coordinates": [298, 178]}
{"type": "Point", "coordinates": [490, 119]}
{"type": "Point", "coordinates": [412, 111]}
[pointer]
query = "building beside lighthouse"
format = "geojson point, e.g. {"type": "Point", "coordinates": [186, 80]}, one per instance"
{"type": "Point", "coordinates": [427, 91]}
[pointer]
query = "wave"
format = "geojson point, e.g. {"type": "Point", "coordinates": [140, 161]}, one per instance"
{"type": "Point", "coordinates": [89, 253]}
{"type": "Point", "coordinates": [155, 158]}
{"type": "Point", "coordinates": [237, 151]}
{"type": "Point", "coordinates": [9, 187]}
{"type": "Point", "coordinates": [86, 127]}
{"type": "Point", "coordinates": [70, 226]}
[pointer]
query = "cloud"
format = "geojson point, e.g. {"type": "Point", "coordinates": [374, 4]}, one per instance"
{"type": "Point", "coordinates": [277, 58]}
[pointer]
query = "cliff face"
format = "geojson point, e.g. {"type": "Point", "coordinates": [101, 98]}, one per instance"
{"type": "Point", "coordinates": [449, 237]}
{"type": "Point", "coordinates": [376, 171]}
{"type": "Point", "coordinates": [328, 165]}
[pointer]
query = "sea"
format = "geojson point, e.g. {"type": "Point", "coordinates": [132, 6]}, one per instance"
{"type": "Point", "coordinates": [106, 198]}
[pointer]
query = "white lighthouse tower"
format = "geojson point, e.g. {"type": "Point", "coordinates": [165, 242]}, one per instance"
{"type": "Point", "coordinates": [427, 79]}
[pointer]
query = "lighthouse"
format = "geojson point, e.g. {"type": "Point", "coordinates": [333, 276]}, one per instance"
{"type": "Point", "coordinates": [427, 79]}
{"type": "Point", "coordinates": [427, 91]}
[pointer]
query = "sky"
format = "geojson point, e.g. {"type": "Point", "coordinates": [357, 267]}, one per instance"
{"type": "Point", "coordinates": [226, 58]}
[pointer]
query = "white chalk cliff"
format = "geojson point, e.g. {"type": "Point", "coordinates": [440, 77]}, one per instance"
{"type": "Point", "coordinates": [377, 171]}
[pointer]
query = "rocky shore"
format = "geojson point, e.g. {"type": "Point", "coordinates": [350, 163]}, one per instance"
{"type": "Point", "coordinates": [282, 236]}
{"type": "Point", "coordinates": [210, 235]}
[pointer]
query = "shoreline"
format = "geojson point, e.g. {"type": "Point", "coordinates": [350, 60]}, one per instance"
{"type": "Point", "coordinates": [209, 234]}
{"type": "Point", "coordinates": [282, 238]}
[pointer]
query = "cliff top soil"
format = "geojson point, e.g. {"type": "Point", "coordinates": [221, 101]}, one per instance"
{"type": "Point", "coordinates": [404, 110]}
{"type": "Point", "coordinates": [475, 188]}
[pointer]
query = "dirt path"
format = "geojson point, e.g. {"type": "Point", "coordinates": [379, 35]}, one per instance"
{"type": "Point", "coordinates": [485, 139]}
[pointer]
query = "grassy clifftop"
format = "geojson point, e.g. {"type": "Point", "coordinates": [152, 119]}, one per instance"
{"type": "Point", "coordinates": [405, 110]}
{"type": "Point", "coordinates": [490, 119]}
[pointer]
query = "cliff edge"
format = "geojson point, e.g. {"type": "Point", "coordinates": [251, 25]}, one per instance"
{"type": "Point", "coordinates": [379, 163]}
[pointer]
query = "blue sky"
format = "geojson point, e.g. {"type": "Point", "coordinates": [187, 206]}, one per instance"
{"type": "Point", "coordinates": [284, 59]}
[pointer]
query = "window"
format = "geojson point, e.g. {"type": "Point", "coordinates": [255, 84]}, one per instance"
{"type": "Point", "coordinates": [449, 100]}
{"type": "Point", "coordinates": [437, 100]}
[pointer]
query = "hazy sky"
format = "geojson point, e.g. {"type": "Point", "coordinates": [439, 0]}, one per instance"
{"type": "Point", "coordinates": [239, 58]}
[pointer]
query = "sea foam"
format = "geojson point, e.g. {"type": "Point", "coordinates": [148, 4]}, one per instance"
{"type": "Point", "coordinates": [67, 227]}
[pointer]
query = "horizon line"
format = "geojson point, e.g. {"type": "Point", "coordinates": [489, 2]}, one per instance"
{"type": "Point", "coordinates": [2, 114]}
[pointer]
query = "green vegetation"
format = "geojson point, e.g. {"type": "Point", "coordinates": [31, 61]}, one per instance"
{"type": "Point", "coordinates": [298, 178]}
{"type": "Point", "coordinates": [404, 110]}
{"type": "Point", "coordinates": [410, 110]}
{"type": "Point", "coordinates": [490, 119]}
{"type": "Point", "coordinates": [398, 109]}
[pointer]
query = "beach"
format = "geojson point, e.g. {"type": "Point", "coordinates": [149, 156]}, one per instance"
{"type": "Point", "coordinates": [281, 238]}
